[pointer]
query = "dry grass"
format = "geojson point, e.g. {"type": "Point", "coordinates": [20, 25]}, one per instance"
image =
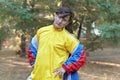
{"type": "Point", "coordinates": [13, 67]}
{"type": "Point", "coordinates": [101, 65]}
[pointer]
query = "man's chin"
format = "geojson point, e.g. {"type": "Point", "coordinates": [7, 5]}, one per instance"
{"type": "Point", "coordinates": [57, 27]}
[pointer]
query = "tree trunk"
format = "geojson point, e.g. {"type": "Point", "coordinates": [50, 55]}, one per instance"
{"type": "Point", "coordinates": [80, 28]}
{"type": "Point", "coordinates": [88, 31]}
{"type": "Point", "coordinates": [23, 46]}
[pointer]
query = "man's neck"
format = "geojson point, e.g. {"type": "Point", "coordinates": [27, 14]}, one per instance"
{"type": "Point", "coordinates": [58, 29]}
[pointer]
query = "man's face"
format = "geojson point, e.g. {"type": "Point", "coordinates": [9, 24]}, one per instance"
{"type": "Point", "coordinates": [60, 22]}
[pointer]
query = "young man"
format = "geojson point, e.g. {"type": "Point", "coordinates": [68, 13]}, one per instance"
{"type": "Point", "coordinates": [54, 53]}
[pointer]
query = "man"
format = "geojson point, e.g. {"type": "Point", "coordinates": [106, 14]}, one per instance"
{"type": "Point", "coordinates": [54, 53]}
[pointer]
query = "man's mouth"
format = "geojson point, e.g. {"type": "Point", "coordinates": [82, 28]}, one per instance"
{"type": "Point", "coordinates": [58, 24]}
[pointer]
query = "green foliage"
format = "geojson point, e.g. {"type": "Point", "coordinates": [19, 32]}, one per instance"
{"type": "Point", "coordinates": [109, 20]}
{"type": "Point", "coordinates": [109, 11]}
{"type": "Point", "coordinates": [110, 32]}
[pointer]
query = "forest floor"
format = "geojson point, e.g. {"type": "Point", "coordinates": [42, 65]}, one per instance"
{"type": "Point", "coordinates": [101, 65]}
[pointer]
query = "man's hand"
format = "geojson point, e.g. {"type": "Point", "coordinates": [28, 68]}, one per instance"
{"type": "Point", "coordinates": [59, 72]}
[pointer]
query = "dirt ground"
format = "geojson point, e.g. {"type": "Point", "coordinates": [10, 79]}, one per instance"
{"type": "Point", "coordinates": [101, 65]}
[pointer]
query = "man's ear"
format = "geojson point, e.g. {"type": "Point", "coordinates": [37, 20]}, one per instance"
{"type": "Point", "coordinates": [68, 23]}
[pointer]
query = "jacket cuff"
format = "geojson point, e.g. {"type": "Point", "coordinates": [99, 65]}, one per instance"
{"type": "Point", "coordinates": [66, 68]}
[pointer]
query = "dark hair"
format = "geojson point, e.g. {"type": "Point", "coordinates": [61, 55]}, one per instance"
{"type": "Point", "coordinates": [65, 11]}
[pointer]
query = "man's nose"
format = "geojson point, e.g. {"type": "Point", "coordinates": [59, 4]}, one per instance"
{"type": "Point", "coordinates": [60, 20]}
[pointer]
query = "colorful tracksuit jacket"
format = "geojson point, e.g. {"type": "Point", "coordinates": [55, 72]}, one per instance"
{"type": "Point", "coordinates": [51, 49]}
